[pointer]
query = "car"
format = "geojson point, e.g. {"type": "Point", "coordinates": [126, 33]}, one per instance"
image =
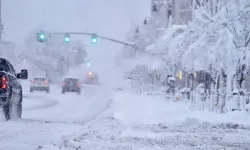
{"type": "Point", "coordinates": [39, 84]}
{"type": "Point", "coordinates": [71, 85]}
{"type": "Point", "coordinates": [91, 78]}
{"type": "Point", "coordinates": [11, 93]}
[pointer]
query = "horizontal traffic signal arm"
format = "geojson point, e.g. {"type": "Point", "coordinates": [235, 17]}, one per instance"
{"type": "Point", "coordinates": [97, 36]}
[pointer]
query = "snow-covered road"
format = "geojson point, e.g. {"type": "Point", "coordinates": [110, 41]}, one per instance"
{"type": "Point", "coordinates": [102, 119]}
{"type": "Point", "coordinates": [47, 117]}
{"type": "Point", "coordinates": [139, 122]}
{"type": "Point", "coordinates": [108, 133]}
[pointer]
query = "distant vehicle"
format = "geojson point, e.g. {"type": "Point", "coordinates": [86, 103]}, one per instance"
{"type": "Point", "coordinates": [11, 95]}
{"type": "Point", "coordinates": [40, 84]}
{"type": "Point", "coordinates": [71, 85]}
{"type": "Point", "coordinates": [91, 78]}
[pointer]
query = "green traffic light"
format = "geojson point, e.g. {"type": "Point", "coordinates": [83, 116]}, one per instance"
{"type": "Point", "coordinates": [42, 36]}
{"type": "Point", "coordinates": [67, 38]}
{"type": "Point", "coordinates": [88, 64]}
{"type": "Point", "coordinates": [94, 39]}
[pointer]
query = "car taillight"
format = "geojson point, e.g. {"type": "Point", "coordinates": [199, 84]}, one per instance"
{"type": "Point", "coordinates": [46, 82]}
{"type": "Point", "coordinates": [4, 82]}
{"type": "Point", "coordinates": [78, 84]}
{"type": "Point", "coordinates": [32, 81]}
{"type": "Point", "coordinates": [63, 84]}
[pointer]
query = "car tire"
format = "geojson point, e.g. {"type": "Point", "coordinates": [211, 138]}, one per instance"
{"type": "Point", "coordinates": [47, 90]}
{"type": "Point", "coordinates": [19, 106]}
{"type": "Point", "coordinates": [31, 90]}
{"type": "Point", "coordinates": [7, 107]}
{"type": "Point", "coordinates": [19, 111]}
{"type": "Point", "coordinates": [63, 92]}
{"type": "Point", "coordinates": [6, 111]}
{"type": "Point", "coordinates": [13, 110]}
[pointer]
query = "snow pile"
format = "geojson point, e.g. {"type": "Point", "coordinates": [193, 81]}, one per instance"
{"type": "Point", "coordinates": [174, 137]}
{"type": "Point", "coordinates": [145, 109]}
{"type": "Point", "coordinates": [141, 109]}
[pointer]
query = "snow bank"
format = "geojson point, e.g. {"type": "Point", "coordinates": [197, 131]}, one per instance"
{"type": "Point", "coordinates": [143, 109]}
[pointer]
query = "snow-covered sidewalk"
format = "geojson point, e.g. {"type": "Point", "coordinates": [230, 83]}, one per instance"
{"type": "Point", "coordinates": [143, 122]}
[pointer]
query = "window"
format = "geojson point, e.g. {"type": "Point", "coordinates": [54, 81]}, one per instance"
{"type": "Point", "coordinates": [12, 70]}
{"type": "Point", "coordinates": [4, 66]}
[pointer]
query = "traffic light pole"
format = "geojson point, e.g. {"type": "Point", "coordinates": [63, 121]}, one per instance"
{"type": "Point", "coordinates": [102, 37]}
{"type": "Point", "coordinates": [1, 24]}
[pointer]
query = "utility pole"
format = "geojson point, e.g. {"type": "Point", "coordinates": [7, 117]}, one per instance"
{"type": "Point", "coordinates": [176, 11]}
{"type": "Point", "coordinates": [1, 24]}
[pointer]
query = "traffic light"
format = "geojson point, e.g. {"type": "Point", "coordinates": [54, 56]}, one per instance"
{"type": "Point", "coordinates": [67, 38]}
{"type": "Point", "coordinates": [88, 64]}
{"type": "Point", "coordinates": [41, 37]}
{"type": "Point", "coordinates": [93, 39]}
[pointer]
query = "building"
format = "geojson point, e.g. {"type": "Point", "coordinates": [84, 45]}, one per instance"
{"type": "Point", "coordinates": [180, 10]}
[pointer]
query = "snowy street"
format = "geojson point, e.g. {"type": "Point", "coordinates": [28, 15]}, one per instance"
{"type": "Point", "coordinates": [188, 136]}
{"type": "Point", "coordinates": [119, 120]}
{"type": "Point", "coordinates": [112, 130]}
{"type": "Point", "coordinates": [46, 116]}
{"type": "Point", "coordinates": [125, 75]}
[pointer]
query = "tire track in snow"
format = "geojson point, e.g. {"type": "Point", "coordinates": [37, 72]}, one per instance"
{"type": "Point", "coordinates": [48, 103]}
{"type": "Point", "coordinates": [89, 119]}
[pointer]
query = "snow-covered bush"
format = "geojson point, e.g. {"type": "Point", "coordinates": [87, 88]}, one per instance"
{"type": "Point", "coordinates": [54, 57]}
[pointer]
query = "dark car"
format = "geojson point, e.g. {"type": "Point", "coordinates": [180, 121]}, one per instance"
{"type": "Point", "coordinates": [11, 94]}
{"type": "Point", "coordinates": [71, 85]}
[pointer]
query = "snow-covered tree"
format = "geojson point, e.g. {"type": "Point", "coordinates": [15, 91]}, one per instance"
{"type": "Point", "coordinates": [8, 50]}
{"type": "Point", "coordinates": [217, 43]}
